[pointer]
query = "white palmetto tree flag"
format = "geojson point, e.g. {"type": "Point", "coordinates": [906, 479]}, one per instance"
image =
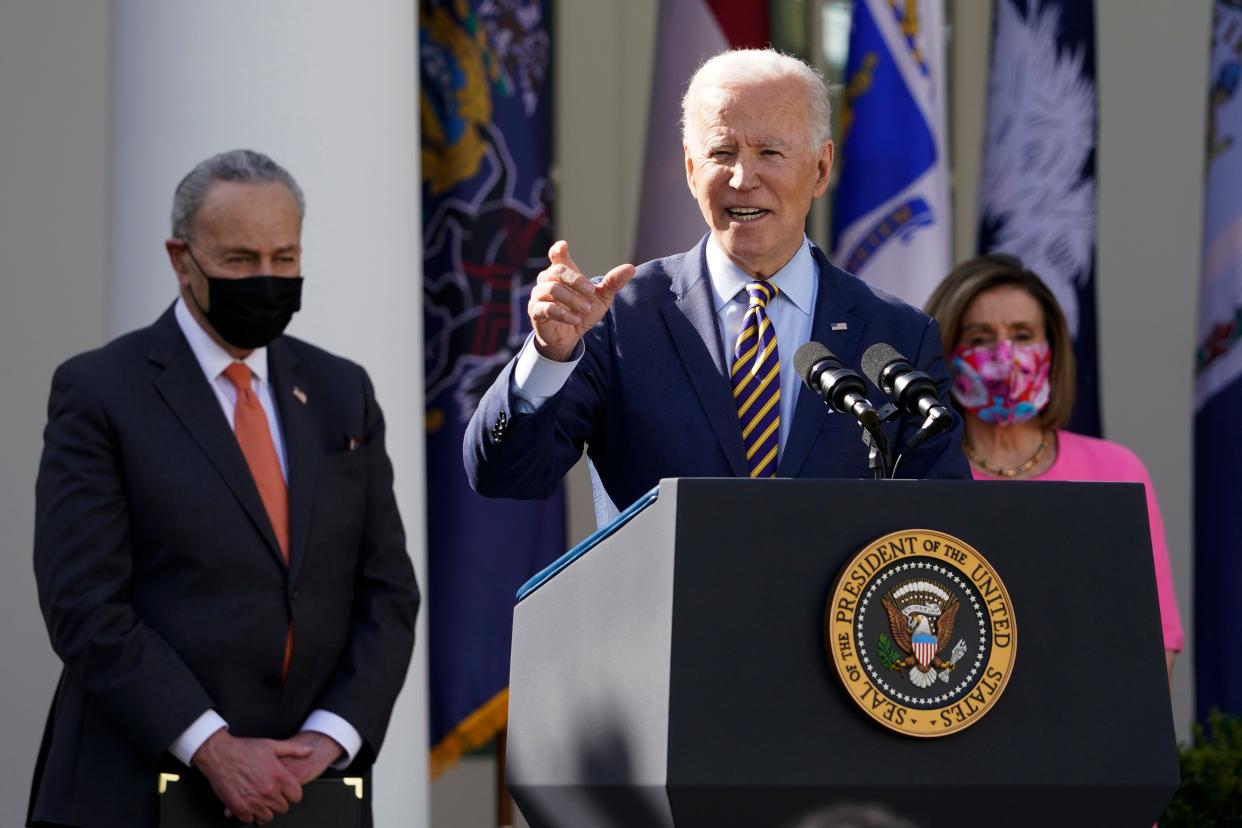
{"type": "Point", "coordinates": [1037, 195]}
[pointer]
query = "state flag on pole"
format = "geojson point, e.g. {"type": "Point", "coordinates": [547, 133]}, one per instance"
{"type": "Point", "coordinates": [1037, 197]}
{"type": "Point", "coordinates": [892, 222]}
{"type": "Point", "coordinates": [1218, 384]}
{"type": "Point", "coordinates": [688, 33]}
{"type": "Point", "coordinates": [486, 147]}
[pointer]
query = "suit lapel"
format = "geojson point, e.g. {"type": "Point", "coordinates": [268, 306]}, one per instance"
{"type": "Point", "coordinates": [833, 308]}
{"type": "Point", "coordinates": [187, 392]}
{"type": "Point", "coordinates": [301, 454]}
{"type": "Point", "coordinates": [691, 321]}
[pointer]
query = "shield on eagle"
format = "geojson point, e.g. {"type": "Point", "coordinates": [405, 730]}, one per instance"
{"type": "Point", "coordinates": [924, 648]}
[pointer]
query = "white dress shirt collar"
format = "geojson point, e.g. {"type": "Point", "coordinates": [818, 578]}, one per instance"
{"type": "Point", "coordinates": [212, 358]}
{"type": "Point", "coordinates": [795, 280]}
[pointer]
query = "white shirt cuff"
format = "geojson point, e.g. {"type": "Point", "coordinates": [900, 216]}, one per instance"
{"type": "Point", "coordinates": [536, 379]}
{"type": "Point", "coordinates": [339, 731]}
{"type": "Point", "coordinates": [192, 738]}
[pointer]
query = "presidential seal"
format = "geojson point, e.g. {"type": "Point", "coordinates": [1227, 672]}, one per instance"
{"type": "Point", "coordinates": [921, 632]}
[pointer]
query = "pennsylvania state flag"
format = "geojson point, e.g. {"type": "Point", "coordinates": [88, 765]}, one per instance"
{"type": "Point", "coordinates": [892, 222]}
{"type": "Point", "coordinates": [486, 145]}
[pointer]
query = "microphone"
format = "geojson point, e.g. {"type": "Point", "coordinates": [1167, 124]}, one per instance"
{"type": "Point", "coordinates": [912, 391]}
{"type": "Point", "coordinates": [840, 388]}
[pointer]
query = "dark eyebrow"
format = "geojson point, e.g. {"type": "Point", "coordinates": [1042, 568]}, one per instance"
{"type": "Point", "coordinates": [250, 251]}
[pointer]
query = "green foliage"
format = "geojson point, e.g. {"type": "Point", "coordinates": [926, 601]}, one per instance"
{"type": "Point", "coordinates": [1211, 766]}
{"type": "Point", "coordinates": [889, 655]}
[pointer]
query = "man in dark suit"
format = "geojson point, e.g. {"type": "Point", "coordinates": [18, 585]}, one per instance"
{"type": "Point", "coordinates": [220, 560]}
{"type": "Point", "coordinates": [683, 367]}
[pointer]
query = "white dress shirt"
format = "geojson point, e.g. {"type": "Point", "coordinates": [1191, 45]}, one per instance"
{"type": "Point", "coordinates": [213, 360]}
{"type": "Point", "coordinates": [536, 378]}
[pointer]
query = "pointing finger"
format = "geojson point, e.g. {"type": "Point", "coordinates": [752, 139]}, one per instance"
{"type": "Point", "coordinates": [559, 254]}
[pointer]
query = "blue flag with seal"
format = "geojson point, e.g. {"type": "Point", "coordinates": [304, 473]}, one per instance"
{"type": "Point", "coordinates": [891, 217]}
{"type": "Point", "coordinates": [1218, 383]}
{"type": "Point", "coordinates": [486, 146]}
{"type": "Point", "coordinates": [1037, 197]}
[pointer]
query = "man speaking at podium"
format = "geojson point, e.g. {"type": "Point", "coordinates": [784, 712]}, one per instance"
{"type": "Point", "coordinates": [683, 367]}
{"type": "Point", "coordinates": [220, 560]}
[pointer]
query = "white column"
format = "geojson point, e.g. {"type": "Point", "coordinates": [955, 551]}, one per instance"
{"type": "Point", "coordinates": [329, 90]}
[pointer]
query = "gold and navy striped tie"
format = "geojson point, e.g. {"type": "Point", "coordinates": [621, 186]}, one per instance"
{"type": "Point", "coordinates": [757, 382]}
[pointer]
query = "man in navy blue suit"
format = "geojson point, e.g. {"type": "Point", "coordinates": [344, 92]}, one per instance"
{"type": "Point", "coordinates": [220, 560]}
{"type": "Point", "coordinates": [647, 367]}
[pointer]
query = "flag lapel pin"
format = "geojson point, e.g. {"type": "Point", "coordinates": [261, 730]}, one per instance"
{"type": "Point", "coordinates": [840, 326]}
{"type": "Point", "coordinates": [299, 395]}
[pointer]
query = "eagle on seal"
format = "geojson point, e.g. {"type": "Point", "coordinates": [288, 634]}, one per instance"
{"type": "Point", "coordinates": [922, 630]}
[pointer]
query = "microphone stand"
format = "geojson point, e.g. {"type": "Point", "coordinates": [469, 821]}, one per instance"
{"type": "Point", "coordinates": [879, 456]}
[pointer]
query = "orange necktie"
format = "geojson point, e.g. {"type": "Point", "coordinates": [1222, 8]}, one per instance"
{"type": "Point", "coordinates": [254, 435]}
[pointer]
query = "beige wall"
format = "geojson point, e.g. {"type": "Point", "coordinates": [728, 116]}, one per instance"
{"type": "Point", "coordinates": [53, 278]}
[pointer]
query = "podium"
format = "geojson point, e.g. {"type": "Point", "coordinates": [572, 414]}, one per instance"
{"type": "Point", "coordinates": [672, 669]}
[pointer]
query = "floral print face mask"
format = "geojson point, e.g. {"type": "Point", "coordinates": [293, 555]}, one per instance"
{"type": "Point", "coordinates": [1002, 384]}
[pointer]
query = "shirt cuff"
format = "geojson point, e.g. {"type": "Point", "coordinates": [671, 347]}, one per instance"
{"type": "Point", "coordinates": [339, 731]}
{"type": "Point", "coordinates": [536, 379]}
{"type": "Point", "coordinates": [192, 738]}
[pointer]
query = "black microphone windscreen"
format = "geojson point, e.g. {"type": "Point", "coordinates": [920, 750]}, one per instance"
{"type": "Point", "coordinates": [876, 358]}
{"type": "Point", "coordinates": [806, 358]}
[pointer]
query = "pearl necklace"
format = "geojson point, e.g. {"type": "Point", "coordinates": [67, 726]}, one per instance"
{"type": "Point", "coordinates": [1015, 470]}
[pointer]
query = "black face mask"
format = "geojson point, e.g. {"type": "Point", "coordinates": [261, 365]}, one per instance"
{"type": "Point", "coordinates": [252, 311]}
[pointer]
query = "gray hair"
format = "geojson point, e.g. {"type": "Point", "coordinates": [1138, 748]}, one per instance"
{"type": "Point", "coordinates": [740, 67]}
{"type": "Point", "coordinates": [234, 165]}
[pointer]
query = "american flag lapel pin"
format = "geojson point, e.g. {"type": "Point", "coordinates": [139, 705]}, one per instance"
{"type": "Point", "coordinates": [840, 326]}
{"type": "Point", "coordinates": [299, 395]}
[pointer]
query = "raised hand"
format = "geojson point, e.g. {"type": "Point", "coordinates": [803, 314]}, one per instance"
{"type": "Point", "coordinates": [565, 304]}
{"type": "Point", "coordinates": [249, 775]}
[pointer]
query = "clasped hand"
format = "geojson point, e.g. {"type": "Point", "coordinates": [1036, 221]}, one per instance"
{"type": "Point", "coordinates": [565, 304]}
{"type": "Point", "coordinates": [257, 779]}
